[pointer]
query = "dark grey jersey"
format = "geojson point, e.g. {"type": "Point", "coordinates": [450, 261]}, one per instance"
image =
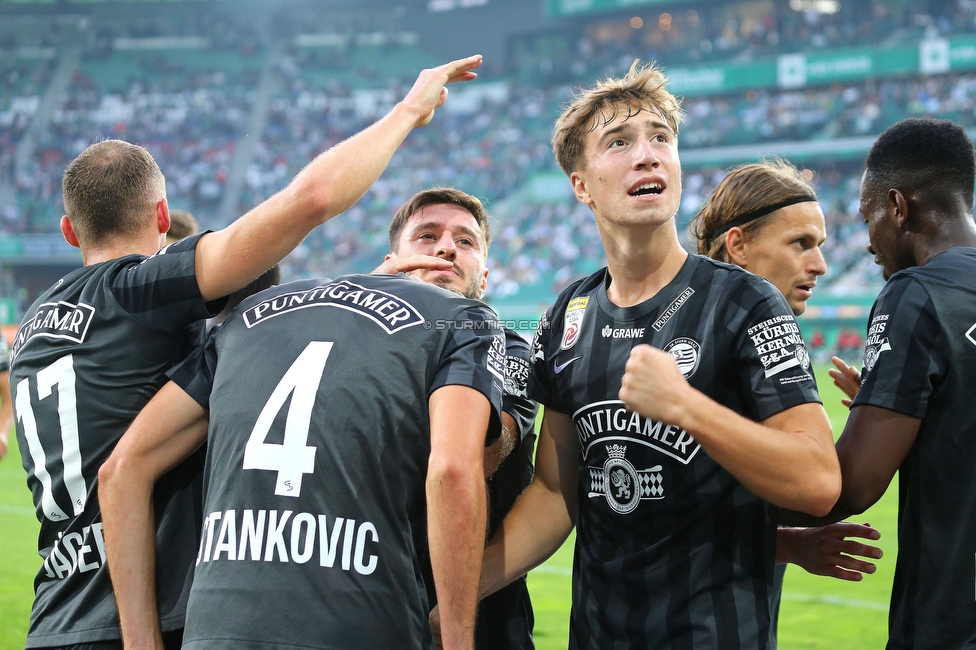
{"type": "Point", "coordinates": [671, 550]}
{"type": "Point", "coordinates": [317, 457]}
{"type": "Point", "coordinates": [88, 356]}
{"type": "Point", "coordinates": [920, 360]}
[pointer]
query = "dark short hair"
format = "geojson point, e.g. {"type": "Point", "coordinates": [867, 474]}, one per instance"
{"type": "Point", "coordinates": [110, 189]}
{"type": "Point", "coordinates": [181, 224]}
{"type": "Point", "coordinates": [439, 196]}
{"type": "Point", "coordinates": [934, 157]}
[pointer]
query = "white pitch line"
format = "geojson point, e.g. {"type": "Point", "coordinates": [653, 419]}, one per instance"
{"type": "Point", "coordinates": [836, 600]}
{"type": "Point", "coordinates": [16, 510]}
{"type": "Point", "coordinates": [558, 570]}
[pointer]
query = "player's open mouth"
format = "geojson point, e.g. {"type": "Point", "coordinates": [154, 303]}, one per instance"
{"type": "Point", "coordinates": [645, 189]}
{"type": "Point", "coordinates": [806, 289]}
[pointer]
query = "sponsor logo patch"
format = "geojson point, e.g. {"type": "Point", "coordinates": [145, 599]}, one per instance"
{"type": "Point", "coordinates": [777, 341]}
{"type": "Point", "coordinates": [686, 353]}
{"type": "Point", "coordinates": [622, 332]}
{"type": "Point", "coordinates": [496, 357]}
{"type": "Point", "coordinates": [672, 309]}
{"type": "Point", "coordinates": [877, 342]}
{"type": "Point", "coordinates": [537, 353]}
{"type": "Point", "coordinates": [623, 485]}
{"type": "Point", "coordinates": [390, 312]}
{"type": "Point", "coordinates": [56, 320]}
{"type": "Point", "coordinates": [573, 322]}
{"type": "Point", "coordinates": [599, 422]}
{"type": "Point", "coordinates": [516, 376]}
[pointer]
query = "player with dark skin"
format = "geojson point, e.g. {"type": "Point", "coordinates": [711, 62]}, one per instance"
{"type": "Point", "coordinates": [910, 409]}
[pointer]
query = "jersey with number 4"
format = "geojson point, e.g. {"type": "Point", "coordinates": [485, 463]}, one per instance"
{"type": "Point", "coordinates": [920, 360]}
{"type": "Point", "coordinates": [671, 550]}
{"type": "Point", "coordinates": [317, 459]}
{"type": "Point", "coordinates": [90, 353]}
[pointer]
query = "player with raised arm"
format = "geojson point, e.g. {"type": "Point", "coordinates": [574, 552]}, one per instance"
{"type": "Point", "coordinates": [319, 450]}
{"type": "Point", "coordinates": [441, 236]}
{"type": "Point", "coordinates": [913, 412]}
{"type": "Point", "coordinates": [94, 348]}
{"type": "Point", "coordinates": [674, 514]}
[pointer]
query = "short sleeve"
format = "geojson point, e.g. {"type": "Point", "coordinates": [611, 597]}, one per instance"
{"type": "Point", "coordinates": [161, 290]}
{"type": "Point", "coordinates": [541, 387]}
{"type": "Point", "coordinates": [475, 357]}
{"type": "Point", "coordinates": [770, 358]}
{"type": "Point", "coordinates": [904, 355]}
{"type": "Point", "coordinates": [195, 374]}
{"type": "Point", "coordinates": [515, 400]}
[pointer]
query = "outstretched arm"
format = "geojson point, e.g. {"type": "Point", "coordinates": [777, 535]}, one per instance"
{"type": "Point", "coordinates": [828, 551]}
{"type": "Point", "coordinates": [788, 459]}
{"type": "Point", "coordinates": [456, 506]}
{"type": "Point", "coordinates": [544, 515]}
{"type": "Point", "coordinates": [873, 446]}
{"type": "Point", "coordinates": [330, 184]}
{"type": "Point", "coordinates": [170, 428]}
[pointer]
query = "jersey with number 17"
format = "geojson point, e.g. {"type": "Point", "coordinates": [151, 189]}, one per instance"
{"type": "Point", "coordinates": [90, 353]}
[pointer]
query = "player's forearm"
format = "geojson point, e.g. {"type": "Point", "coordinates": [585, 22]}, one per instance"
{"type": "Point", "coordinates": [125, 497]}
{"type": "Point", "coordinates": [329, 185]}
{"type": "Point", "coordinates": [535, 528]}
{"type": "Point", "coordinates": [456, 506]}
{"type": "Point", "coordinates": [497, 452]}
{"type": "Point", "coordinates": [793, 465]}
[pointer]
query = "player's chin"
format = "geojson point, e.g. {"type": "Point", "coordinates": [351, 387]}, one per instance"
{"type": "Point", "coordinates": [798, 305]}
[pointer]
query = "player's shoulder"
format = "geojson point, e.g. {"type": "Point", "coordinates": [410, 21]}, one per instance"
{"type": "Point", "coordinates": [711, 271]}
{"type": "Point", "coordinates": [581, 289]}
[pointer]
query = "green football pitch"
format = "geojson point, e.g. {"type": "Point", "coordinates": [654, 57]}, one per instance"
{"type": "Point", "coordinates": [816, 612]}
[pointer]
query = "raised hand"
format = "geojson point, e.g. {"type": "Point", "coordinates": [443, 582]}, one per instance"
{"type": "Point", "coordinates": [429, 91]}
{"type": "Point", "coordinates": [847, 378]}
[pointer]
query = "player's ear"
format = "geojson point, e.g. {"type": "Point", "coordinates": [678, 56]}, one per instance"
{"type": "Point", "coordinates": [579, 189]}
{"type": "Point", "coordinates": [899, 204]}
{"type": "Point", "coordinates": [390, 256]}
{"type": "Point", "coordinates": [735, 244]}
{"type": "Point", "coordinates": [68, 230]}
{"type": "Point", "coordinates": [483, 285]}
{"type": "Point", "coordinates": [162, 216]}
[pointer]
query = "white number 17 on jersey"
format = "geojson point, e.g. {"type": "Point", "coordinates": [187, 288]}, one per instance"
{"type": "Point", "coordinates": [293, 458]}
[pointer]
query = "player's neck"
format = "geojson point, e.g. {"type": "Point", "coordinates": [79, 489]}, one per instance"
{"type": "Point", "coordinates": [642, 264]}
{"type": "Point", "coordinates": [119, 247]}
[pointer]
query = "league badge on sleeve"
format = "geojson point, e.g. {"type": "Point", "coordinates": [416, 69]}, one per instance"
{"type": "Point", "coordinates": [573, 322]}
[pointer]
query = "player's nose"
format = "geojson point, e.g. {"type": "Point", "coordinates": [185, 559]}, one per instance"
{"type": "Point", "coordinates": [645, 154]}
{"type": "Point", "coordinates": [446, 247]}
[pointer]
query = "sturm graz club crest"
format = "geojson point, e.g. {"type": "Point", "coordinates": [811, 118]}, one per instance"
{"type": "Point", "coordinates": [622, 484]}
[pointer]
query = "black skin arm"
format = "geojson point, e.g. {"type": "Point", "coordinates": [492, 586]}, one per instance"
{"type": "Point", "coordinates": [873, 446]}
